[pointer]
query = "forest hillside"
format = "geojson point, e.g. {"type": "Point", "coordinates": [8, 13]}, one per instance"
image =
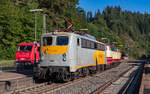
{"type": "Point", "coordinates": [129, 31]}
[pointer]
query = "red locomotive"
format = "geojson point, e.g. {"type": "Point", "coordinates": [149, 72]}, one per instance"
{"type": "Point", "coordinates": [25, 55]}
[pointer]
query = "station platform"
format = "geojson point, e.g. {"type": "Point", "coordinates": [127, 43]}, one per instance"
{"type": "Point", "coordinates": [7, 76]}
{"type": "Point", "coordinates": [145, 84]}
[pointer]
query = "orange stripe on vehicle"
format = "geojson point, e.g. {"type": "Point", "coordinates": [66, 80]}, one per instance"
{"type": "Point", "coordinates": [53, 50]}
{"type": "Point", "coordinates": [99, 56]}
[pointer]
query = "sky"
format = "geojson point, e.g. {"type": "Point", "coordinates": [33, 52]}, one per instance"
{"type": "Point", "coordinates": [141, 6]}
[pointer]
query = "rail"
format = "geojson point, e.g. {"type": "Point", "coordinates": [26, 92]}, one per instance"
{"type": "Point", "coordinates": [100, 89]}
{"type": "Point", "coordinates": [133, 84]}
{"type": "Point", "coordinates": [126, 83]}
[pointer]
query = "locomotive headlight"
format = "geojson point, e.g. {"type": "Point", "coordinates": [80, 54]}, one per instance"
{"type": "Point", "coordinates": [64, 56]}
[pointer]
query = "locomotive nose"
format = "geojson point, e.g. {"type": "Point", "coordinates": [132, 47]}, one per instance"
{"type": "Point", "coordinates": [54, 60]}
{"type": "Point", "coordinates": [54, 50]}
{"type": "Point", "coordinates": [54, 55]}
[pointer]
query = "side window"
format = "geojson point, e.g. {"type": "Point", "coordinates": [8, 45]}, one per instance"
{"type": "Point", "coordinates": [88, 44]}
{"type": "Point", "coordinates": [92, 45]}
{"type": "Point", "coordinates": [111, 49]}
{"type": "Point", "coordinates": [100, 47]}
{"type": "Point", "coordinates": [78, 41]}
{"type": "Point", "coordinates": [95, 45]}
{"type": "Point", "coordinates": [83, 43]}
{"type": "Point", "coordinates": [103, 47]}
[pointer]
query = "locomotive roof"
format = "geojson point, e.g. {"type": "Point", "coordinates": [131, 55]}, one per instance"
{"type": "Point", "coordinates": [111, 46]}
{"type": "Point", "coordinates": [100, 42]}
{"type": "Point", "coordinates": [69, 33]}
{"type": "Point", "coordinates": [21, 44]}
{"type": "Point", "coordinates": [56, 33]}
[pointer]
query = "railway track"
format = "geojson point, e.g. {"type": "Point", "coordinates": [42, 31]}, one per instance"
{"type": "Point", "coordinates": [99, 90]}
{"type": "Point", "coordinates": [86, 85]}
{"type": "Point", "coordinates": [127, 83]}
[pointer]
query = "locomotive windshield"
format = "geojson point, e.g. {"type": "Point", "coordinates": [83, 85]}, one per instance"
{"type": "Point", "coordinates": [62, 40]}
{"type": "Point", "coordinates": [47, 41]}
{"type": "Point", "coordinates": [25, 48]}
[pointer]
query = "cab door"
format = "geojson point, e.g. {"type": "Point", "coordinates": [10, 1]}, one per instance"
{"type": "Point", "coordinates": [38, 53]}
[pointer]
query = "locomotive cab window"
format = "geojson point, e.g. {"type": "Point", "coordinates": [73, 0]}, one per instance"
{"type": "Point", "coordinates": [47, 41]}
{"type": "Point", "coordinates": [25, 48]}
{"type": "Point", "coordinates": [62, 40]}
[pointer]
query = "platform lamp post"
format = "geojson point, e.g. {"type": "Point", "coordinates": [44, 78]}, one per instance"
{"type": "Point", "coordinates": [120, 45]}
{"type": "Point", "coordinates": [108, 41]}
{"type": "Point", "coordinates": [35, 30]}
{"type": "Point", "coordinates": [44, 23]}
{"type": "Point", "coordinates": [114, 43]}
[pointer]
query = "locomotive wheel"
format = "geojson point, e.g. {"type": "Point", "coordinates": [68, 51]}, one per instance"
{"type": "Point", "coordinates": [85, 72]}
{"type": "Point", "coordinates": [93, 71]}
{"type": "Point", "coordinates": [72, 76]}
{"type": "Point", "coordinates": [66, 77]}
{"type": "Point", "coordinates": [7, 85]}
{"type": "Point", "coordinates": [107, 66]}
{"type": "Point", "coordinates": [63, 77]}
{"type": "Point", "coordinates": [76, 75]}
{"type": "Point", "coordinates": [102, 67]}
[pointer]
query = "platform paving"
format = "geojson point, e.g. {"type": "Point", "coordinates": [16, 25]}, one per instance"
{"type": "Point", "coordinates": [145, 84]}
{"type": "Point", "coordinates": [6, 76]}
{"type": "Point", "coordinates": [116, 86]}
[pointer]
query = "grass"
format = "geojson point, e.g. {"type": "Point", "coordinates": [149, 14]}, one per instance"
{"type": "Point", "coordinates": [6, 63]}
